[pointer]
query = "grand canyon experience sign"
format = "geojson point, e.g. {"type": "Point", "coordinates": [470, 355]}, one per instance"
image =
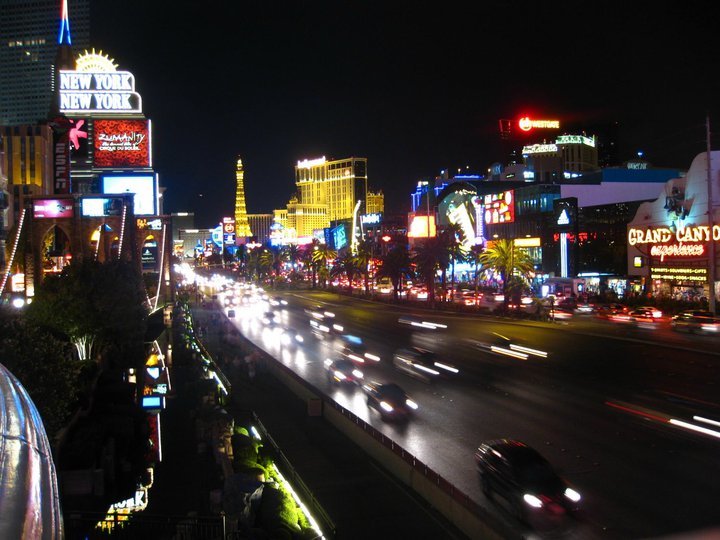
{"type": "Point", "coordinates": [683, 242]}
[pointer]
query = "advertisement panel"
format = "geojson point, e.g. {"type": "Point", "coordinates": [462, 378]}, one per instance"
{"type": "Point", "coordinates": [228, 231]}
{"type": "Point", "coordinates": [52, 208]}
{"type": "Point", "coordinates": [61, 160]}
{"type": "Point", "coordinates": [143, 186]}
{"type": "Point", "coordinates": [100, 207]}
{"type": "Point", "coordinates": [499, 207]}
{"type": "Point", "coordinates": [121, 143]}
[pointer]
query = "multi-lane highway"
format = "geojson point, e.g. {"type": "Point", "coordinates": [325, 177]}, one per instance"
{"type": "Point", "coordinates": [624, 413]}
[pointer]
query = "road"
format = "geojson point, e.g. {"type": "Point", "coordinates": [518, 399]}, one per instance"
{"type": "Point", "coordinates": [598, 407]}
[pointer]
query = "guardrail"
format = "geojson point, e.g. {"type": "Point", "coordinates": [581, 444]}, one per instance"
{"type": "Point", "coordinates": [327, 525]}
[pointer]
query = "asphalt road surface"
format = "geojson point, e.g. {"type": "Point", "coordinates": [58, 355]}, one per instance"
{"type": "Point", "coordinates": [614, 407]}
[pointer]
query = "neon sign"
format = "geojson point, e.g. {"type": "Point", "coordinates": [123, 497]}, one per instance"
{"type": "Point", "coordinates": [575, 139]}
{"type": "Point", "coordinates": [97, 87]}
{"type": "Point", "coordinates": [663, 235]}
{"type": "Point", "coordinates": [677, 250]}
{"type": "Point", "coordinates": [540, 149]}
{"type": "Point", "coordinates": [525, 124]}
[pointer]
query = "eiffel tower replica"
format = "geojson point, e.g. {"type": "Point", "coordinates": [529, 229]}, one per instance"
{"type": "Point", "coordinates": [242, 226]}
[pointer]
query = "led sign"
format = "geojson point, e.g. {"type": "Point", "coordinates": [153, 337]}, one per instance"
{"type": "Point", "coordinates": [540, 149]}
{"type": "Point", "coordinates": [52, 208]}
{"type": "Point", "coordinates": [422, 227]}
{"type": "Point", "coordinates": [370, 219]}
{"type": "Point", "coordinates": [307, 163]}
{"type": "Point", "coordinates": [526, 124]}
{"type": "Point", "coordinates": [122, 143]}
{"type": "Point", "coordinates": [499, 207]}
{"type": "Point", "coordinates": [527, 242]}
{"type": "Point", "coordinates": [697, 275]}
{"type": "Point", "coordinates": [575, 139]}
{"type": "Point", "coordinates": [143, 188]}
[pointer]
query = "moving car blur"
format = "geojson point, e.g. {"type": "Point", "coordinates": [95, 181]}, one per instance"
{"type": "Point", "coordinates": [422, 364]}
{"type": "Point", "coordinates": [525, 479]}
{"type": "Point", "coordinates": [343, 372]}
{"type": "Point", "coordinates": [390, 400]}
{"type": "Point", "coordinates": [696, 321]}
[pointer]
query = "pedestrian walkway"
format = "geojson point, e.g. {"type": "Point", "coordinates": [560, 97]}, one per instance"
{"type": "Point", "coordinates": [360, 498]}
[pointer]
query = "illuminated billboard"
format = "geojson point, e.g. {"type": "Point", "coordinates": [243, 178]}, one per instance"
{"type": "Point", "coordinates": [462, 207]}
{"type": "Point", "coordinates": [499, 207]}
{"type": "Point", "coordinates": [122, 143]}
{"type": "Point", "coordinates": [101, 207]}
{"type": "Point", "coordinates": [144, 186]}
{"type": "Point", "coordinates": [339, 236]}
{"type": "Point", "coordinates": [97, 87]}
{"type": "Point", "coordinates": [52, 208]}
{"type": "Point", "coordinates": [422, 227]}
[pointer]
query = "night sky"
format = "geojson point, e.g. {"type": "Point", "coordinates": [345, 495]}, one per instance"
{"type": "Point", "coordinates": [413, 89]}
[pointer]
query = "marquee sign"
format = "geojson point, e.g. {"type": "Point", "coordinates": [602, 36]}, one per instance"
{"type": "Point", "coordinates": [97, 88]}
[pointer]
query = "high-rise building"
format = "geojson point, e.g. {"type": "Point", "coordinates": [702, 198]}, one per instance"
{"type": "Point", "coordinates": [242, 227]}
{"type": "Point", "coordinates": [261, 225]}
{"type": "Point", "coordinates": [29, 36]}
{"type": "Point", "coordinates": [339, 184]}
{"type": "Point", "coordinates": [327, 192]}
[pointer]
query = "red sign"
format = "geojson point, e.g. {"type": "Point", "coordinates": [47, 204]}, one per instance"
{"type": "Point", "coordinates": [154, 454]}
{"type": "Point", "coordinates": [122, 143]}
{"type": "Point", "coordinates": [499, 207]}
{"type": "Point", "coordinates": [53, 208]}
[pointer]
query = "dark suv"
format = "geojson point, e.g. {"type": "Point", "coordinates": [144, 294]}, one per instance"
{"type": "Point", "coordinates": [525, 479]}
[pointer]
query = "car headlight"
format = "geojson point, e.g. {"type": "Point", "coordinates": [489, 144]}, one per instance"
{"type": "Point", "coordinates": [340, 376]}
{"type": "Point", "coordinates": [532, 500]}
{"type": "Point", "coordinates": [573, 495]}
{"type": "Point", "coordinates": [357, 373]}
{"type": "Point", "coordinates": [410, 403]}
{"type": "Point", "coordinates": [386, 406]}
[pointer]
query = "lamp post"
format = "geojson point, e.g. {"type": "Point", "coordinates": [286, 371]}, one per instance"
{"type": "Point", "coordinates": [711, 250]}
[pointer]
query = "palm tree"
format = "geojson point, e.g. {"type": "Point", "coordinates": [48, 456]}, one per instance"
{"type": "Point", "coordinates": [512, 263]}
{"type": "Point", "coordinates": [363, 256]}
{"type": "Point", "coordinates": [309, 262]}
{"type": "Point", "coordinates": [453, 237]}
{"type": "Point", "coordinates": [265, 261]}
{"type": "Point", "coordinates": [394, 265]}
{"type": "Point", "coordinates": [474, 257]}
{"type": "Point", "coordinates": [345, 265]}
{"type": "Point", "coordinates": [321, 256]}
{"type": "Point", "coordinates": [430, 256]}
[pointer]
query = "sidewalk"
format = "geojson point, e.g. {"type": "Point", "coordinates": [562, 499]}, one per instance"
{"type": "Point", "coordinates": [360, 498]}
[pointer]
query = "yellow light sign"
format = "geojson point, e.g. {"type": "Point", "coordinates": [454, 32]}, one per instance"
{"type": "Point", "coordinates": [422, 227]}
{"type": "Point", "coordinates": [698, 275]}
{"type": "Point", "coordinates": [527, 242]}
{"type": "Point", "coordinates": [663, 235]}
